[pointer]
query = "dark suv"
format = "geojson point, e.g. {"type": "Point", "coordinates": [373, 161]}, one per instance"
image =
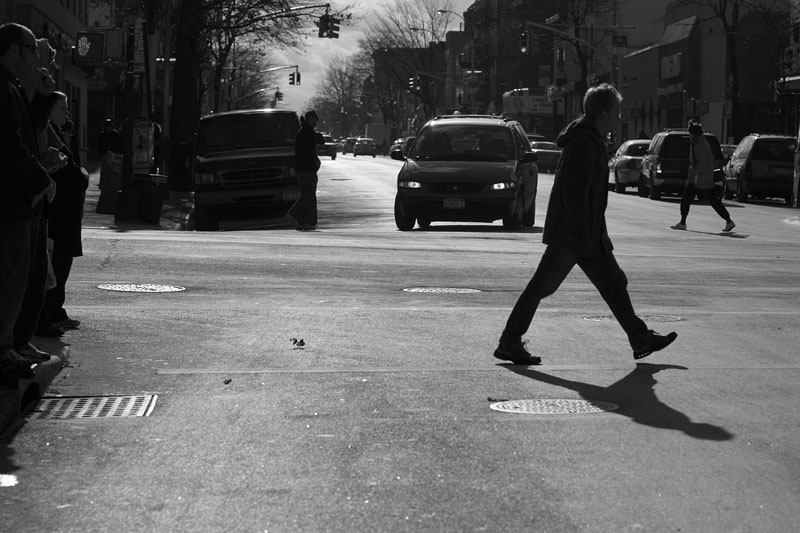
{"type": "Point", "coordinates": [243, 166]}
{"type": "Point", "coordinates": [665, 165]}
{"type": "Point", "coordinates": [467, 168]}
{"type": "Point", "coordinates": [762, 166]}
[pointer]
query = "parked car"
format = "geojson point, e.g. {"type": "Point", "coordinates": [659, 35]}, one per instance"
{"type": "Point", "coordinates": [535, 137]}
{"type": "Point", "coordinates": [626, 163]}
{"type": "Point", "coordinates": [328, 147]}
{"type": "Point", "coordinates": [243, 165]}
{"type": "Point", "coordinates": [364, 146]}
{"type": "Point", "coordinates": [727, 150]}
{"type": "Point", "coordinates": [467, 168]}
{"type": "Point", "coordinates": [547, 155]}
{"type": "Point", "coordinates": [762, 166]}
{"type": "Point", "coordinates": [403, 143]}
{"type": "Point", "coordinates": [665, 165]}
{"type": "Point", "coordinates": [348, 145]}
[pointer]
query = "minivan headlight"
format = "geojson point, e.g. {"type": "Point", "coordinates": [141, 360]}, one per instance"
{"type": "Point", "coordinates": [205, 178]}
{"type": "Point", "coordinates": [504, 186]}
{"type": "Point", "coordinates": [408, 184]}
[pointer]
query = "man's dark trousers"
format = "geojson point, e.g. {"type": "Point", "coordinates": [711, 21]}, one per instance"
{"type": "Point", "coordinates": [35, 289]}
{"type": "Point", "coordinates": [601, 269]}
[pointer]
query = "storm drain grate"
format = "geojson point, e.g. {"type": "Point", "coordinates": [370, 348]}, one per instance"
{"type": "Point", "coordinates": [443, 290]}
{"type": "Point", "coordinates": [646, 318]}
{"type": "Point", "coordinates": [141, 287]}
{"type": "Point", "coordinates": [62, 407]}
{"type": "Point", "coordinates": [553, 407]}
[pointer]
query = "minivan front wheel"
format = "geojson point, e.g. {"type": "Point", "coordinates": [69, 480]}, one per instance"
{"type": "Point", "coordinates": [404, 223]}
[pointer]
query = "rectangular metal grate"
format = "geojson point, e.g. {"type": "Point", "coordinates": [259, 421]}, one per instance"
{"type": "Point", "coordinates": [64, 407]}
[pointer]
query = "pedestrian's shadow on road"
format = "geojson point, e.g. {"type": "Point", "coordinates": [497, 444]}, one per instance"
{"type": "Point", "coordinates": [719, 234]}
{"type": "Point", "coordinates": [636, 398]}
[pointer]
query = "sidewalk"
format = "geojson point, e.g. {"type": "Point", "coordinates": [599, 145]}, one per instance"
{"type": "Point", "coordinates": [18, 395]}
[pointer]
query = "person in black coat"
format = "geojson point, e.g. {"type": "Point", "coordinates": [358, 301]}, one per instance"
{"type": "Point", "coordinates": [306, 165]}
{"type": "Point", "coordinates": [575, 233]}
{"type": "Point", "coordinates": [64, 223]}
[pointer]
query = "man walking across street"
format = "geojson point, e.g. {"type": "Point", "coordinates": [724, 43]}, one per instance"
{"type": "Point", "coordinates": [575, 233]}
{"type": "Point", "coordinates": [701, 178]}
{"type": "Point", "coordinates": [306, 165]}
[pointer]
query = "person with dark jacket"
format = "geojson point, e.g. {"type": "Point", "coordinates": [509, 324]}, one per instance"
{"type": "Point", "coordinates": [701, 178]}
{"type": "Point", "coordinates": [575, 233]}
{"type": "Point", "coordinates": [24, 190]}
{"type": "Point", "coordinates": [64, 221]}
{"type": "Point", "coordinates": [306, 165]}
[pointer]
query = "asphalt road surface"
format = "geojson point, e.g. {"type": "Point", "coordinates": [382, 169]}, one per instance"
{"type": "Point", "coordinates": [381, 420]}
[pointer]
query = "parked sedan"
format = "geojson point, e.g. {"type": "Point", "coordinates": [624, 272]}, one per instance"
{"type": "Point", "coordinates": [364, 146]}
{"type": "Point", "coordinates": [626, 164]}
{"type": "Point", "coordinates": [761, 166]}
{"type": "Point", "coordinates": [547, 155]}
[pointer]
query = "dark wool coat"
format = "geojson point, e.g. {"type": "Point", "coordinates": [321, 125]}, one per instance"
{"type": "Point", "coordinates": [576, 213]}
{"type": "Point", "coordinates": [21, 175]}
{"type": "Point", "coordinates": [66, 210]}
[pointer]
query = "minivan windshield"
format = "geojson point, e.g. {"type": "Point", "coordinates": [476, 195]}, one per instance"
{"type": "Point", "coordinates": [247, 130]}
{"type": "Point", "coordinates": [464, 142]}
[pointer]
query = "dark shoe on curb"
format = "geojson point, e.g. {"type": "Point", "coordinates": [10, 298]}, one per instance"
{"type": "Point", "coordinates": [33, 354]}
{"type": "Point", "coordinates": [67, 324]}
{"type": "Point", "coordinates": [12, 365]}
{"type": "Point", "coordinates": [49, 331]}
{"type": "Point", "coordinates": [516, 352]}
{"type": "Point", "coordinates": [653, 342]}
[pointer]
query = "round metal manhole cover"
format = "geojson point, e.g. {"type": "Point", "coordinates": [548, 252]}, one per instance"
{"type": "Point", "coordinates": [646, 318]}
{"type": "Point", "coordinates": [140, 287]}
{"type": "Point", "coordinates": [553, 407]}
{"type": "Point", "coordinates": [443, 290]}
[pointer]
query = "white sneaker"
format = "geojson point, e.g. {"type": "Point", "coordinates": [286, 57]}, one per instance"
{"type": "Point", "coordinates": [678, 226]}
{"type": "Point", "coordinates": [729, 226]}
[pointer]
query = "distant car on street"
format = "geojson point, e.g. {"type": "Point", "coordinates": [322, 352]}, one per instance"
{"type": "Point", "coordinates": [403, 143]}
{"type": "Point", "coordinates": [762, 166]}
{"type": "Point", "coordinates": [348, 145]}
{"type": "Point", "coordinates": [535, 137]}
{"type": "Point", "coordinates": [328, 147]}
{"type": "Point", "coordinates": [626, 164]}
{"type": "Point", "coordinates": [547, 155]}
{"type": "Point", "coordinates": [364, 146]}
{"type": "Point", "coordinates": [467, 168]}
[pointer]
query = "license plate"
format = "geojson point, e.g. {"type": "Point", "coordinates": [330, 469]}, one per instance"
{"type": "Point", "coordinates": [288, 196]}
{"type": "Point", "coordinates": [454, 203]}
{"type": "Point", "coordinates": [782, 171]}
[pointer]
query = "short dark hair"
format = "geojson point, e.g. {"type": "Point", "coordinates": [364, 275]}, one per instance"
{"type": "Point", "coordinates": [11, 33]}
{"type": "Point", "coordinates": [600, 98]}
{"type": "Point", "coordinates": [695, 128]}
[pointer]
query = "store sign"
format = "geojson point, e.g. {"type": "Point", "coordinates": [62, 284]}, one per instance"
{"type": "Point", "coordinates": [671, 66]}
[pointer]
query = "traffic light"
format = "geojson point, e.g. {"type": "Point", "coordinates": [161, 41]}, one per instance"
{"type": "Point", "coordinates": [291, 78]}
{"type": "Point", "coordinates": [324, 25]}
{"type": "Point", "coordinates": [297, 78]}
{"type": "Point", "coordinates": [524, 44]}
{"type": "Point", "coordinates": [90, 46]}
{"type": "Point", "coordinates": [333, 28]}
{"type": "Point", "coordinates": [411, 83]}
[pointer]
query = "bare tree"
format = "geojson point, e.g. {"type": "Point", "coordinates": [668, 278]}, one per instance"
{"type": "Point", "coordinates": [338, 95]}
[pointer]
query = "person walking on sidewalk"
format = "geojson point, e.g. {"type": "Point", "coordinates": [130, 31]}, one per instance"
{"type": "Point", "coordinates": [575, 233]}
{"type": "Point", "coordinates": [701, 178]}
{"type": "Point", "coordinates": [306, 165]}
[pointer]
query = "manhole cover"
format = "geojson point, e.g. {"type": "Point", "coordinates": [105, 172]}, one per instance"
{"type": "Point", "coordinates": [443, 290]}
{"type": "Point", "coordinates": [553, 407]}
{"type": "Point", "coordinates": [94, 406]}
{"type": "Point", "coordinates": [141, 287]}
{"type": "Point", "coordinates": [646, 318]}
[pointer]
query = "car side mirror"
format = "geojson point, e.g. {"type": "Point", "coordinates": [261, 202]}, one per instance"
{"type": "Point", "coordinates": [397, 155]}
{"type": "Point", "coordinates": [529, 157]}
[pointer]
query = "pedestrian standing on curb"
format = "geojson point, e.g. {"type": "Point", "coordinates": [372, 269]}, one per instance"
{"type": "Point", "coordinates": [306, 164]}
{"type": "Point", "coordinates": [24, 188]}
{"type": "Point", "coordinates": [575, 233]}
{"type": "Point", "coordinates": [64, 224]}
{"type": "Point", "coordinates": [701, 178]}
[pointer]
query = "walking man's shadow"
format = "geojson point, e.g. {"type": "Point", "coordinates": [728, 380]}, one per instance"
{"type": "Point", "coordinates": [636, 399]}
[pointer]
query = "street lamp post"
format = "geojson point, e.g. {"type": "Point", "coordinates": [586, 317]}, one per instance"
{"type": "Point", "coordinates": [443, 11]}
